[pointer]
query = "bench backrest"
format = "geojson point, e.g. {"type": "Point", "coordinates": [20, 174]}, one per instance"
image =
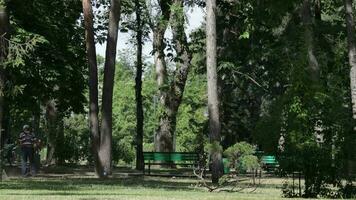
{"type": "Point", "coordinates": [269, 160]}
{"type": "Point", "coordinates": [170, 156]}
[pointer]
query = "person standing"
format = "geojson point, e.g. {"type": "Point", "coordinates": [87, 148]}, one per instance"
{"type": "Point", "coordinates": [27, 140]}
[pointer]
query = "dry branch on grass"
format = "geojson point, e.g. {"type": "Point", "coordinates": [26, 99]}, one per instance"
{"type": "Point", "coordinates": [228, 183]}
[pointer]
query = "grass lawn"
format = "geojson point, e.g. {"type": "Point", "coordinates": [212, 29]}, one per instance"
{"type": "Point", "coordinates": [124, 186]}
{"type": "Point", "coordinates": [149, 188]}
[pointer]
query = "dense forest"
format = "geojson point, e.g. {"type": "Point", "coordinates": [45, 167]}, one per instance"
{"type": "Point", "coordinates": [277, 74]}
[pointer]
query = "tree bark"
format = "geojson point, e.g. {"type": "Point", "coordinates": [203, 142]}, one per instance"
{"type": "Point", "coordinates": [213, 100]}
{"type": "Point", "coordinates": [108, 86]}
{"type": "Point", "coordinates": [93, 84]}
{"type": "Point", "coordinates": [307, 20]}
{"type": "Point", "coordinates": [183, 63]}
{"type": "Point", "coordinates": [4, 33]}
{"type": "Point", "coordinates": [138, 89]}
{"type": "Point", "coordinates": [60, 157]}
{"type": "Point", "coordinates": [36, 117]}
{"type": "Point", "coordinates": [350, 24]}
{"type": "Point", "coordinates": [163, 138]}
{"type": "Point", "coordinates": [171, 94]}
{"type": "Point", "coordinates": [6, 126]}
{"type": "Point", "coordinates": [51, 122]}
{"type": "Point", "coordinates": [313, 66]}
{"type": "Point", "coordinates": [317, 9]}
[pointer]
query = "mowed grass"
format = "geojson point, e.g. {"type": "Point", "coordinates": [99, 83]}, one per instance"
{"type": "Point", "coordinates": [148, 188]}
{"type": "Point", "coordinates": [127, 187]}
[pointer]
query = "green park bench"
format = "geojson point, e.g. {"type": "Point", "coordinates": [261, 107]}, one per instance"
{"type": "Point", "coordinates": [170, 159]}
{"type": "Point", "coordinates": [269, 162]}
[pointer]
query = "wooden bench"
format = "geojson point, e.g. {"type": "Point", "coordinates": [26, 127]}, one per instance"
{"type": "Point", "coordinates": [170, 159]}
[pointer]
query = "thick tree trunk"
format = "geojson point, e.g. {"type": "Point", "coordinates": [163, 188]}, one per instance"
{"type": "Point", "coordinates": [51, 122]}
{"type": "Point", "coordinates": [138, 89]}
{"type": "Point", "coordinates": [313, 67]}
{"type": "Point", "coordinates": [307, 20]}
{"type": "Point", "coordinates": [213, 100]}
{"type": "Point", "coordinates": [350, 24]}
{"type": "Point", "coordinates": [4, 33]}
{"type": "Point", "coordinates": [176, 87]}
{"type": "Point", "coordinates": [163, 138]}
{"type": "Point", "coordinates": [93, 84]}
{"type": "Point", "coordinates": [108, 86]}
{"type": "Point", "coordinates": [351, 52]}
{"type": "Point", "coordinates": [171, 94]}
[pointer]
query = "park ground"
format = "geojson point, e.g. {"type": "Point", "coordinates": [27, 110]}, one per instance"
{"type": "Point", "coordinates": [125, 184]}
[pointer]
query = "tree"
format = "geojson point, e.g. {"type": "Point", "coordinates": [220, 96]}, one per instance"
{"type": "Point", "coordinates": [138, 88]}
{"type": "Point", "coordinates": [105, 143]}
{"type": "Point", "coordinates": [163, 136]}
{"type": "Point", "coordinates": [307, 20]}
{"type": "Point", "coordinates": [171, 89]}
{"type": "Point", "coordinates": [52, 71]}
{"type": "Point", "coordinates": [4, 34]}
{"type": "Point", "coordinates": [108, 85]}
{"type": "Point", "coordinates": [213, 100]}
{"type": "Point", "coordinates": [182, 62]}
{"type": "Point", "coordinates": [351, 52]}
{"type": "Point", "coordinates": [350, 24]}
{"type": "Point", "coordinates": [93, 83]}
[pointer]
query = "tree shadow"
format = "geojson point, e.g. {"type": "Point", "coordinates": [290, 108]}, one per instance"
{"type": "Point", "coordinates": [71, 184]}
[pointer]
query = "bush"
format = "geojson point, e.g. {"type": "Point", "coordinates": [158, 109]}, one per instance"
{"type": "Point", "coordinates": [241, 156]}
{"type": "Point", "coordinates": [76, 140]}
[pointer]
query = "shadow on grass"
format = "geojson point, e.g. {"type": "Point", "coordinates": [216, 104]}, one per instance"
{"type": "Point", "coordinates": [71, 184]}
{"type": "Point", "coordinates": [74, 193]}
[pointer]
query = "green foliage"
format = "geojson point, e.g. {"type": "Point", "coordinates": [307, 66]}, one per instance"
{"type": "Point", "coordinates": [46, 62]}
{"type": "Point", "coordinates": [241, 155]}
{"type": "Point", "coordinates": [76, 140]}
{"type": "Point", "coordinates": [249, 162]}
{"type": "Point", "coordinates": [54, 65]}
{"type": "Point", "coordinates": [265, 87]}
{"type": "Point", "coordinates": [20, 47]}
{"type": "Point", "coordinates": [214, 147]}
{"type": "Point", "coordinates": [124, 113]}
{"type": "Point", "coordinates": [239, 149]}
{"type": "Point", "coordinates": [191, 132]}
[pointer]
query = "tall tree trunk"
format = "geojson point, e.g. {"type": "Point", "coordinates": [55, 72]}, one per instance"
{"type": "Point", "coordinates": [163, 138]}
{"type": "Point", "coordinates": [36, 115]}
{"type": "Point", "coordinates": [351, 52]}
{"type": "Point", "coordinates": [4, 33]}
{"type": "Point", "coordinates": [213, 100]}
{"type": "Point", "coordinates": [108, 86]}
{"type": "Point", "coordinates": [183, 63]}
{"type": "Point", "coordinates": [6, 126]}
{"type": "Point", "coordinates": [60, 141]}
{"type": "Point", "coordinates": [307, 20]}
{"type": "Point", "coordinates": [93, 84]}
{"type": "Point", "coordinates": [171, 94]}
{"type": "Point", "coordinates": [317, 9]}
{"type": "Point", "coordinates": [51, 122]}
{"type": "Point", "coordinates": [313, 68]}
{"type": "Point", "coordinates": [350, 24]}
{"type": "Point", "coordinates": [138, 89]}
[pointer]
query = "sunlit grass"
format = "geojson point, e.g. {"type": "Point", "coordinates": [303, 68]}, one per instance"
{"type": "Point", "coordinates": [120, 188]}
